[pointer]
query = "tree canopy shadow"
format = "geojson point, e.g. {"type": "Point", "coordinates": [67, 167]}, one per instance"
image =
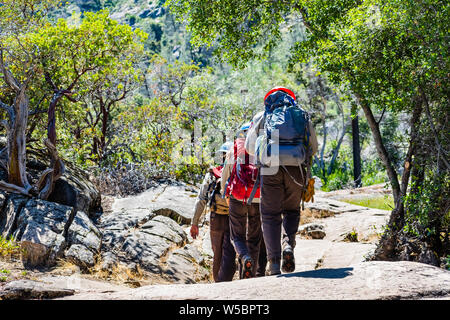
{"type": "Point", "coordinates": [337, 273]}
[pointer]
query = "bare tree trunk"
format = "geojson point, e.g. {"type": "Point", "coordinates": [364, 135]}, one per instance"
{"type": "Point", "coordinates": [356, 152]}
{"type": "Point", "coordinates": [17, 142]}
{"type": "Point", "coordinates": [387, 244]}
{"type": "Point", "coordinates": [382, 152]}
{"type": "Point", "coordinates": [56, 170]}
{"type": "Point", "coordinates": [105, 116]}
{"type": "Point", "coordinates": [325, 132]}
{"type": "Point", "coordinates": [18, 119]}
{"type": "Point", "coordinates": [51, 120]}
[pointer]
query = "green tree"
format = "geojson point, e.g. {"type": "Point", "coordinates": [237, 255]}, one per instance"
{"type": "Point", "coordinates": [387, 54]}
{"type": "Point", "coordinates": [64, 60]}
{"type": "Point", "coordinates": [18, 70]}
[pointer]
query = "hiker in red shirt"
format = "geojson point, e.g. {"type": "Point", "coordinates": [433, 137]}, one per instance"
{"type": "Point", "coordinates": [224, 260]}
{"type": "Point", "coordinates": [238, 180]}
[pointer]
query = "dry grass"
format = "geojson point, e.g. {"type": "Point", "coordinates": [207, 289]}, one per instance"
{"type": "Point", "coordinates": [118, 274]}
{"type": "Point", "coordinates": [308, 215]}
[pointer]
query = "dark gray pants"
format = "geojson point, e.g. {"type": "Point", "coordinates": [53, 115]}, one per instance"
{"type": "Point", "coordinates": [262, 260]}
{"type": "Point", "coordinates": [245, 229]}
{"type": "Point", "coordinates": [280, 209]}
{"type": "Point", "coordinates": [224, 260]}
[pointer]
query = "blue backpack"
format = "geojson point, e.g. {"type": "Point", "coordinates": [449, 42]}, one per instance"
{"type": "Point", "coordinates": [286, 134]}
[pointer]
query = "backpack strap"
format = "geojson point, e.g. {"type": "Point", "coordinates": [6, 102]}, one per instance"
{"type": "Point", "coordinates": [255, 188]}
{"type": "Point", "coordinates": [295, 181]}
{"type": "Point", "coordinates": [212, 202]}
{"type": "Point", "coordinates": [227, 191]}
{"type": "Point", "coordinates": [211, 192]}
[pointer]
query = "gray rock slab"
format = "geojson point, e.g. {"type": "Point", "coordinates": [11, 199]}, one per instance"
{"type": "Point", "coordinates": [83, 231]}
{"type": "Point", "coordinates": [80, 256]}
{"type": "Point", "coordinates": [109, 260]}
{"type": "Point", "coordinates": [175, 201]}
{"type": "Point", "coordinates": [144, 200]}
{"type": "Point", "coordinates": [113, 239]}
{"type": "Point", "coordinates": [41, 228]}
{"type": "Point", "coordinates": [366, 280]}
{"type": "Point", "coordinates": [41, 246]}
{"type": "Point", "coordinates": [308, 253]}
{"type": "Point", "coordinates": [182, 267]}
{"type": "Point", "coordinates": [366, 223]}
{"type": "Point", "coordinates": [341, 254]}
{"type": "Point", "coordinates": [319, 254]}
{"type": "Point", "coordinates": [53, 215]}
{"type": "Point", "coordinates": [29, 289]}
{"type": "Point", "coordinates": [206, 244]}
{"type": "Point", "coordinates": [125, 218]}
{"type": "Point", "coordinates": [166, 228]}
{"type": "Point", "coordinates": [329, 207]}
{"type": "Point", "coordinates": [82, 284]}
{"type": "Point", "coordinates": [145, 249]}
{"type": "Point", "coordinates": [11, 205]}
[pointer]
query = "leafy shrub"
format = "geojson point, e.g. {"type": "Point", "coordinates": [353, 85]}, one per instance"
{"type": "Point", "coordinates": [373, 173]}
{"type": "Point", "coordinates": [340, 179]}
{"type": "Point", "coordinates": [9, 248]}
{"type": "Point", "coordinates": [427, 210]}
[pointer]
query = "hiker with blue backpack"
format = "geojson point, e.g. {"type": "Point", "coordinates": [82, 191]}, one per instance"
{"type": "Point", "coordinates": [209, 196]}
{"type": "Point", "coordinates": [238, 179]}
{"type": "Point", "coordinates": [283, 142]}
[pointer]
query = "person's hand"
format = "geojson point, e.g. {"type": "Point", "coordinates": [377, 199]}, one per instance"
{"type": "Point", "coordinates": [228, 200]}
{"type": "Point", "coordinates": [194, 231]}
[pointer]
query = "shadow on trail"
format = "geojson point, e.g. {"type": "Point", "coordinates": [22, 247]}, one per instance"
{"type": "Point", "coordinates": [338, 273]}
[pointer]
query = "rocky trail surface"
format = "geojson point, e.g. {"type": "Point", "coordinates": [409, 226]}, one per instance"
{"type": "Point", "coordinates": [147, 238]}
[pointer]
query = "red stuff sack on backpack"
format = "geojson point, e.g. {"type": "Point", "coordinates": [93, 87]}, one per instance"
{"type": "Point", "coordinates": [243, 175]}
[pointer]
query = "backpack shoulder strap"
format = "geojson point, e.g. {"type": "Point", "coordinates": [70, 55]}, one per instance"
{"type": "Point", "coordinates": [255, 188]}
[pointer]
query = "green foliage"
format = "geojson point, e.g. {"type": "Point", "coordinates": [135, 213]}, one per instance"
{"type": "Point", "coordinates": [340, 179]}
{"type": "Point", "coordinates": [9, 248]}
{"type": "Point", "coordinates": [254, 25]}
{"type": "Point", "coordinates": [97, 60]}
{"type": "Point", "coordinates": [382, 203]}
{"type": "Point", "coordinates": [428, 209]}
{"type": "Point", "coordinates": [391, 57]}
{"type": "Point", "coordinates": [352, 236]}
{"type": "Point", "coordinates": [373, 173]}
{"type": "Point", "coordinates": [93, 47]}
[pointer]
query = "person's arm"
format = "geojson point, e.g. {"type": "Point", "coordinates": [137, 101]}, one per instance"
{"type": "Point", "coordinates": [253, 133]}
{"type": "Point", "coordinates": [200, 204]}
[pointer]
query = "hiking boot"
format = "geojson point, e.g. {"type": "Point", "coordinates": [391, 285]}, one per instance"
{"type": "Point", "coordinates": [247, 267]}
{"type": "Point", "coordinates": [288, 264]}
{"type": "Point", "coordinates": [273, 267]}
{"type": "Point", "coordinates": [260, 273]}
